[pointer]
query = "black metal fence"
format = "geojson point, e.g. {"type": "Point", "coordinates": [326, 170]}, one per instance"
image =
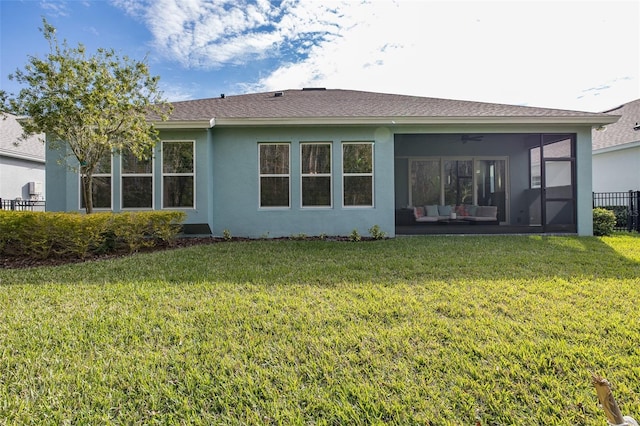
{"type": "Point", "coordinates": [625, 206]}
{"type": "Point", "coordinates": [23, 205]}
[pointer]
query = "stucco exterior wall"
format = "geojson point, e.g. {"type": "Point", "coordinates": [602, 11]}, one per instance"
{"type": "Point", "coordinates": [584, 195]}
{"type": "Point", "coordinates": [227, 176]}
{"type": "Point", "coordinates": [617, 171]}
{"type": "Point", "coordinates": [15, 175]}
{"type": "Point", "coordinates": [235, 189]}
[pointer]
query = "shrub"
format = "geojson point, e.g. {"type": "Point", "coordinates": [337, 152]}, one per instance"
{"type": "Point", "coordinates": [604, 221]}
{"type": "Point", "coordinates": [377, 233]}
{"type": "Point", "coordinates": [45, 234]}
{"type": "Point", "coordinates": [621, 213]}
{"type": "Point", "coordinates": [355, 236]}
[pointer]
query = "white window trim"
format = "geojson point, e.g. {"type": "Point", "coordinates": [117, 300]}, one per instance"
{"type": "Point", "coordinates": [329, 175]}
{"type": "Point", "coordinates": [261, 175]}
{"type": "Point", "coordinates": [163, 174]}
{"type": "Point", "coordinates": [110, 175]}
{"type": "Point", "coordinates": [371, 174]}
{"type": "Point", "coordinates": [125, 175]}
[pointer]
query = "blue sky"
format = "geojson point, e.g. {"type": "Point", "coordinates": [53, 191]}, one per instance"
{"type": "Point", "coordinates": [569, 54]}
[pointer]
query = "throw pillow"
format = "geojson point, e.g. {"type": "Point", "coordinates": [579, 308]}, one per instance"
{"type": "Point", "coordinates": [418, 212]}
{"type": "Point", "coordinates": [444, 210]}
{"type": "Point", "coordinates": [432, 211]}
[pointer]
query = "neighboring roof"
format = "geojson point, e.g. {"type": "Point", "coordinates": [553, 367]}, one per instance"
{"type": "Point", "coordinates": [12, 144]}
{"type": "Point", "coordinates": [321, 106]}
{"type": "Point", "coordinates": [626, 131]}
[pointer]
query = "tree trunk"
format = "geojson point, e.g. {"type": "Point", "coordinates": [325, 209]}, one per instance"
{"type": "Point", "coordinates": [86, 180]}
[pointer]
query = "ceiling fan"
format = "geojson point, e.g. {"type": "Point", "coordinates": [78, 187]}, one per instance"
{"type": "Point", "coordinates": [469, 138]}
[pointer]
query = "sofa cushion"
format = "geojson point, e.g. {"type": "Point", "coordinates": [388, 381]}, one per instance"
{"type": "Point", "coordinates": [487, 211]}
{"type": "Point", "coordinates": [472, 210]}
{"type": "Point", "coordinates": [444, 210]}
{"type": "Point", "coordinates": [418, 212]}
{"type": "Point", "coordinates": [427, 219]}
{"type": "Point", "coordinates": [432, 211]}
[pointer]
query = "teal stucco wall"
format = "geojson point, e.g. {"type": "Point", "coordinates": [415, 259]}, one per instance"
{"type": "Point", "coordinates": [227, 175]}
{"type": "Point", "coordinates": [235, 186]}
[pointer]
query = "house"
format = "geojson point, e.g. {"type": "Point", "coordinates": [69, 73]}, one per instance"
{"type": "Point", "coordinates": [22, 163]}
{"type": "Point", "coordinates": [316, 161]}
{"type": "Point", "coordinates": [616, 151]}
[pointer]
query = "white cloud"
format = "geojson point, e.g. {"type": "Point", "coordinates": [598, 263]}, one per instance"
{"type": "Point", "coordinates": [55, 8]}
{"type": "Point", "coordinates": [565, 54]}
{"type": "Point", "coordinates": [534, 53]}
{"type": "Point", "coordinates": [206, 34]}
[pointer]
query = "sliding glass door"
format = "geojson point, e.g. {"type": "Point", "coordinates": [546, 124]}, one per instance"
{"type": "Point", "coordinates": [491, 185]}
{"type": "Point", "coordinates": [458, 184]}
{"type": "Point", "coordinates": [457, 181]}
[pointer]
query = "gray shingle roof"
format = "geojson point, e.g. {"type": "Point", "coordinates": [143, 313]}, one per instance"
{"type": "Point", "coordinates": [350, 104]}
{"type": "Point", "coordinates": [11, 144]}
{"type": "Point", "coordinates": [622, 132]}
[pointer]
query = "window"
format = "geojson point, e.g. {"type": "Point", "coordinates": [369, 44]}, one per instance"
{"type": "Point", "coordinates": [315, 159]}
{"type": "Point", "coordinates": [535, 173]}
{"type": "Point", "coordinates": [357, 174]}
{"type": "Point", "coordinates": [424, 180]}
{"type": "Point", "coordinates": [101, 189]}
{"type": "Point", "coordinates": [137, 182]}
{"type": "Point", "coordinates": [274, 174]}
{"type": "Point", "coordinates": [178, 174]}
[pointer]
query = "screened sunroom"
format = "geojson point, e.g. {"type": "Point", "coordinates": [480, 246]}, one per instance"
{"type": "Point", "coordinates": [528, 179]}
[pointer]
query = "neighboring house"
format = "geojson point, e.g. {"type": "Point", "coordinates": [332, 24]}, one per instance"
{"type": "Point", "coordinates": [22, 162]}
{"type": "Point", "coordinates": [616, 151]}
{"type": "Point", "coordinates": [316, 161]}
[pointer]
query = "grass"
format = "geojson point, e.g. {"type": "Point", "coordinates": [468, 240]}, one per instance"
{"type": "Point", "coordinates": [426, 330]}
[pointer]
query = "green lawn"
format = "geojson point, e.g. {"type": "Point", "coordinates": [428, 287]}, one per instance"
{"type": "Point", "coordinates": [490, 330]}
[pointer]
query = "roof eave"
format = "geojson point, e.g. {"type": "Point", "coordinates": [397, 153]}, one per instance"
{"type": "Point", "coordinates": [619, 147]}
{"type": "Point", "coordinates": [184, 124]}
{"type": "Point", "coordinates": [391, 121]}
{"type": "Point", "coordinates": [21, 156]}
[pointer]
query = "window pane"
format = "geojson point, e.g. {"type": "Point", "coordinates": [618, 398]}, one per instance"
{"type": "Point", "coordinates": [491, 185]}
{"type": "Point", "coordinates": [137, 192]}
{"type": "Point", "coordinates": [177, 157]}
{"type": "Point", "coordinates": [274, 192]}
{"type": "Point", "coordinates": [358, 191]}
{"type": "Point", "coordinates": [178, 191]}
{"type": "Point", "coordinates": [558, 179]}
{"type": "Point", "coordinates": [316, 158]}
{"type": "Point", "coordinates": [425, 182]}
{"type": "Point", "coordinates": [104, 166]}
{"type": "Point", "coordinates": [274, 159]}
{"type": "Point", "coordinates": [458, 185]}
{"type": "Point", "coordinates": [131, 164]}
{"type": "Point", "coordinates": [560, 148]}
{"type": "Point", "coordinates": [316, 191]}
{"type": "Point", "coordinates": [101, 193]}
{"type": "Point", "coordinates": [357, 158]}
{"type": "Point", "coordinates": [536, 170]}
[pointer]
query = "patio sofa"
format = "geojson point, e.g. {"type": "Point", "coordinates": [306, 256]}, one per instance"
{"type": "Point", "coordinates": [463, 213]}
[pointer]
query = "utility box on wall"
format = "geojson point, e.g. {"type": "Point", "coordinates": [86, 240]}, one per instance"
{"type": "Point", "coordinates": [35, 189]}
